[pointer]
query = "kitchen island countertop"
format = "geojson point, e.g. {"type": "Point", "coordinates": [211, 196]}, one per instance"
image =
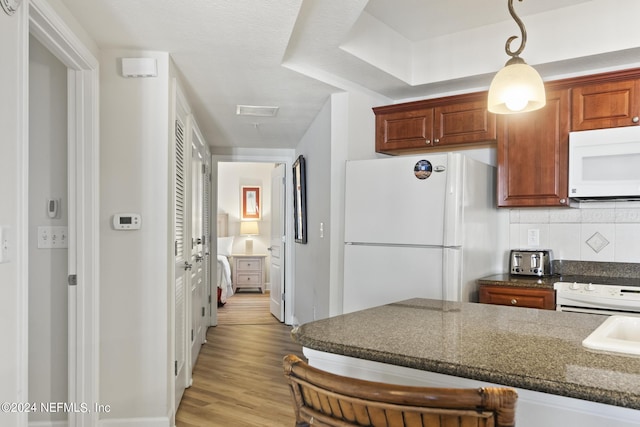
{"type": "Point", "coordinates": [532, 349]}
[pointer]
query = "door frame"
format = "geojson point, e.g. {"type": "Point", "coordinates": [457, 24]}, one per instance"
{"type": "Point", "coordinates": [84, 194]}
{"type": "Point", "coordinates": [278, 156]}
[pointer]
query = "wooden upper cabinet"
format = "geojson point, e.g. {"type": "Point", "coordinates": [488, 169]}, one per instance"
{"type": "Point", "coordinates": [423, 125]}
{"type": "Point", "coordinates": [533, 150]}
{"type": "Point", "coordinates": [404, 130]}
{"type": "Point", "coordinates": [464, 122]}
{"type": "Point", "coordinates": [605, 105]}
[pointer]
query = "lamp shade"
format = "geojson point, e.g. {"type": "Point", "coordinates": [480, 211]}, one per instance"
{"type": "Point", "coordinates": [516, 88]}
{"type": "Point", "coordinates": [249, 228]}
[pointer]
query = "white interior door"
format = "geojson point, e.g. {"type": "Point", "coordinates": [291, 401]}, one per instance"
{"type": "Point", "coordinates": [197, 305]}
{"type": "Point", "coordinates": [277, 241]}
{"type": "Point", "coordinates": [83, 185]}
{"type": "Point", "coordinates": [52, 302]}
{"type": "Point", "coordinates": [206, 237]}
{"type": "Point", "coordinates": [182, 254]}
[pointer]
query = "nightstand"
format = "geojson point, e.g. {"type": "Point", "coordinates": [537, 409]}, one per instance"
{"type": "Point", "coordinates": [248, 271]}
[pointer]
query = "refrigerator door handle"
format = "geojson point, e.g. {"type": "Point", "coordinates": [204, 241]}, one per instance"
{"type": "Point", "coordinates": [451, 274]}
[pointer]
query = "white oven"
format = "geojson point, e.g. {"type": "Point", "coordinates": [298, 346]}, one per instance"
{"type": "Point", "coordinates": [597, 298]}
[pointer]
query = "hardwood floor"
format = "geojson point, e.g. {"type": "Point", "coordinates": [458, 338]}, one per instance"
{"type": "Point", "coordinates": [238, 379]}
{"type": "Point", "coordinates": [246, 308]}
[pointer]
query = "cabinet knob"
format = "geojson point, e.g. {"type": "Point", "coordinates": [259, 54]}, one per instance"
{"type": "Point", "coordinates": [636, 119]}
{"type": "Point", "coordinates": [435, 141]}
{"type": "Point", "coordinates": [514, 301]}
{"type": "Point", "coordinates": [427, 141]}
{"type": "Point", "coordinates": [563, 201]}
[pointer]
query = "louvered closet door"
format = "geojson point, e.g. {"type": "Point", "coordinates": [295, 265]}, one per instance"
{"type": "Point", "coordinates": [182, 251]}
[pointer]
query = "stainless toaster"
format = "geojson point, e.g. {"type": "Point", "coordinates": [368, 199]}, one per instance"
{"type": "Point", "coordinates": [530, 262]}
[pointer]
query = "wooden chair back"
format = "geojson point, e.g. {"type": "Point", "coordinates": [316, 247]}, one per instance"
{"type": "Point", "coordinates": [324, 399]}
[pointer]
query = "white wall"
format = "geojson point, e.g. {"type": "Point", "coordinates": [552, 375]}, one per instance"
{"type": "Point", "coordinates": [312, 266]}
{"type": "Point", "coordinates": [568, 231]}
{"type": "Point", "coordinates": [13, 214]}
{"type": "Point", "coordinates": [343, 130]}
{"type": "Point", "coordinates": [134, 164]}
{"type": "Point", "coordinates": [231, 177]}
{"type": "Point", "coordinates": [352, 137]}
{"type": "Point", "coordinates": [47, 267]}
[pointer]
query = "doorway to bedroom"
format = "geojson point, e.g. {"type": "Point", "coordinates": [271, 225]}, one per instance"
{"type": "Point", "coordinates": [250, 233]}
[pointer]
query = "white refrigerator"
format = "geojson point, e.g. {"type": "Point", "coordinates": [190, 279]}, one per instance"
{"type": "Point", "coordinates": [420, 226]}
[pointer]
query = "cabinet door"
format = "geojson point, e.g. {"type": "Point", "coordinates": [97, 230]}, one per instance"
{"type": "Point", "coordinates": [605, 105]}
{"type": "Point", "coordinates": [518, 297]}
{"type": "Point", "coordinates": [533, 151]}
{"type": "Point", "coordinates": [404, 130]}
{"type": "Point", "coordinates": [464, 122]}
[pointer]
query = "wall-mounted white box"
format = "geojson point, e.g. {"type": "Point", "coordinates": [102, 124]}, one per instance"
{"type": "Point", "coordinates": [139, 67]}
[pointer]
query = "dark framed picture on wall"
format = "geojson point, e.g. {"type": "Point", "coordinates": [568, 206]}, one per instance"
{"type": "Point", "coordinates": [300, 200]}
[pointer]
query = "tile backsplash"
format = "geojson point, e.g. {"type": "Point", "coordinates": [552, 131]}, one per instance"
{"type": "Point", "coordinates": [596, 231]}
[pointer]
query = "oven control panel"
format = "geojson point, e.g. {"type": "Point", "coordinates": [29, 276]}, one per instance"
{"type": "Point", "coordinates": [629, 292]}
{"type": "Point", "coordinates": [597, 296]}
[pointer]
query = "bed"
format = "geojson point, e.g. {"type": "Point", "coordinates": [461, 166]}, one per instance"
{"type": "Point", "coordinates": [225, 245]}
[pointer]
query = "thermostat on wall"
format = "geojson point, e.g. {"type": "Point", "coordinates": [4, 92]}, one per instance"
{"type": "Point", "coordinates": [126, 221]}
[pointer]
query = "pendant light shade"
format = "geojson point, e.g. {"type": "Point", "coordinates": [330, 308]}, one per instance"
{"type": "Point", "coordinates": [517, 88]}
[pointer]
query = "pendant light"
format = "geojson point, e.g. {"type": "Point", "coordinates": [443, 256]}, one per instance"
{"type": "Point", "coordinates": [517, 88]}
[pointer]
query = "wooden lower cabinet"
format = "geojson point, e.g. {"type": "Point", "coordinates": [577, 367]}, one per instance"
{"type": "Point", "coordinates": [533, 155]}
{"type": "Point", "coordinates": [518, 296]}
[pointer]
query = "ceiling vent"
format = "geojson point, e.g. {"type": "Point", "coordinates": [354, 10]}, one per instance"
{"type": "Point", "coordinates": [254, 110]}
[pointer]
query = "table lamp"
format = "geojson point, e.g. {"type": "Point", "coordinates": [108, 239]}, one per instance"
{"type": "Point", "coordinates": [249, 228]}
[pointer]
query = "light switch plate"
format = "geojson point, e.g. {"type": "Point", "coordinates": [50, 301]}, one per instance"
{"type": "Point", "coordinates": [4, 244]}
{"type": "Point", "coordinates": [50, 237]}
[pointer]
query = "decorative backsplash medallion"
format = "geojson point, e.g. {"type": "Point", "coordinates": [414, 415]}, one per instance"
{"type": "Point", "coordinates": [597, 242]}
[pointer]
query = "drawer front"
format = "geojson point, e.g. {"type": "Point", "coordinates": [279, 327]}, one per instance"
{"type": "Point", "coordinates": [522, 297]}
{"type": "Point", "coordinates": [249, 264]}
{"type": "Point", "coordinates": [247, 279]}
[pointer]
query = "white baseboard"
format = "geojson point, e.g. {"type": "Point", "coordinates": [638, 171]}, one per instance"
{"type": "Point", "coordinates": [135, 422]}
{"type": "Point", "coordinates": [48, 424]}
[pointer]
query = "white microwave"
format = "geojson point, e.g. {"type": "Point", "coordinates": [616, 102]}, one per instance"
{"type": "Point", "coordinates": [605, 164]}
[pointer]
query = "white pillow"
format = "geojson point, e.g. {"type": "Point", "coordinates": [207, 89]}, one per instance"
{"type": "Point", "coordinates": [225, 245]}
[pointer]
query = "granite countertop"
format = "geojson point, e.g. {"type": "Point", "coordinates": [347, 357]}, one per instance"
{"type": "Point", "coordinates": [526, 348]}
{"type": "Point", "coordinates": [519, 281]}
{"type": "Point", "coordinates": [548, 281]}
{"type": "Point", "coordinates": [614, 273]}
